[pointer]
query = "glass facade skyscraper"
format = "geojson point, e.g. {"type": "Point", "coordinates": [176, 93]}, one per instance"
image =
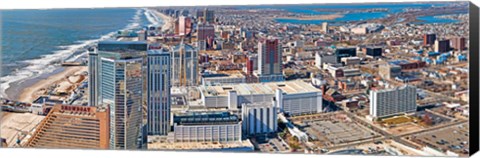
{"type": "Point", "coordinates": [116, 76]}
{"type": "Point", "coordinates": [158, 92]}
{"type": "Point", "coordinates": [184, 65]}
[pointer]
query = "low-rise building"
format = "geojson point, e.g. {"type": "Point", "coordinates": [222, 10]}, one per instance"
{"type": "Point", "coordinates": [390, 71]}
{"type": "Point", "coordinates": [207, 127]}
{"type": "Point", "coordinates": [351, 61]}
{"type": "Point", "coordinates": [351, 72]}
{"type": "Point", "coordinates": [294, 97]}
{"type": "Point", "coordinates": [374, 51]}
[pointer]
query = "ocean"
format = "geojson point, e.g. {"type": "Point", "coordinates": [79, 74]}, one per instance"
{"type": "Point", "coordinates": [35, 42]}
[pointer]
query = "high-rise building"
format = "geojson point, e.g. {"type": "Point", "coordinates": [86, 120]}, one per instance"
{"type": "Point", "coordinates": [429, 39]}
{"type": "Point", "coordinates": [184, 25]}
{"type": "Point", "coordinates": [206, 15]}
{"type": "Point", "coordinates": [184, 65]}
{"type": "Point", "coordinates": [119, 83]}
{"type": "Point", "coordinates": [176, 26]}
{"type": "Point", "coordinates": [325, 27]}
{"type": "Point", "coordinates": [442, 46]}
{"type": "Point", "coordinates": [200, 14]}
{"type": "Point", "coordinates": [389, 102]}
{"type": "Point", "coordinates": [72, 127]}
{"type": "Point", "coordinates": [206, 35]}
{"type": "Point", "coordinates": [92, 78]}
{"type": "Point", "coordinates": [259, 118]}
{"type": "Point", "coordinates": [270, 60]}
{"type": "Point", "coordinates": [209, 16]}
{"type": "Point", "coordinates": [158, 92]}
{"type": "Point", "coordinates": [458, 43]}
{"type": "Point", "coordinates": [250, 64]}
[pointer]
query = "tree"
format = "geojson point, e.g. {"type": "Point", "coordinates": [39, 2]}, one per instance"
{"type": "Point", "coordinates": [427, 120]}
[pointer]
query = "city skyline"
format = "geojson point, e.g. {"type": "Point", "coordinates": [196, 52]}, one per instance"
{"type": "Point", "coordinates": [368, 79]}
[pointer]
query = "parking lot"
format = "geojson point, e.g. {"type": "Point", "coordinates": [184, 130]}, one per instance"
{"type": "Point", "coordinates": [454, 139]}
{"type": "Point", "coordinates": [328, 133]}
{"type": "Point", "coordinates": [272, 144]}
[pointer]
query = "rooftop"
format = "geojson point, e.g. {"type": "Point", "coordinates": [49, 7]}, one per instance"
{"type": "Point", "coordinates": [211, 117]}
{"type": "Point", "coordinates": [121, 45]}
{"type": "Point", "coordinates": [289, 87]}
{"type": "Point", "coordinates": [158, 52]}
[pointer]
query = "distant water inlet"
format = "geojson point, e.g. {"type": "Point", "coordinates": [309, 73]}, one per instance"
{"type": "Point", "coordinates": [436, 19]}
{"type": "Point", "coordinates": [316, 14]}
{"type": "Point", "coordinates": [335, 17]}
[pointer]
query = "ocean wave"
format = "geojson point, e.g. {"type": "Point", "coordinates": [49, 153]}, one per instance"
{"type": "Point", "coordinates": [135, 21]}
{"type": "Point", "coordinates": [152, 18]}
{"type": "Point", "coordinates": [48, 63]}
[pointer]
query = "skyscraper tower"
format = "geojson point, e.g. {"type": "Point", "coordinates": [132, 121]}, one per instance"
{"type": "Point", "coordinates": [184, 25]}
{"type": "Point", "coordinates": [206, 15]}
{"type": "Point", "coordinates": [184, 65]}
{"type": "Point", "coordinates": [205, 36]}
{"type": "Point", "coordinates": [118, 79]}
{"type": "Point", "coordinates": [429, 39]}
{"type": "Point", "coordinates": [270, 60]}
{"type": "Point", "coordinates": [158, 92]}
{"type": "Point", "coordinates": [92, 78]}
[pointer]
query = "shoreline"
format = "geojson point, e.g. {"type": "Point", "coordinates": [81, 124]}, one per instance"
{"type": "Point", "coordinates": [167, 20]}
{"type": "Point", "coordinates": [26, 91]}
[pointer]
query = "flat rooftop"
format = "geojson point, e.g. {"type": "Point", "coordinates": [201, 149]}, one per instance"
{"type": "Point", "coordinates": [211, 117]}
{"type": "Point", "coordinates": [289, 87]}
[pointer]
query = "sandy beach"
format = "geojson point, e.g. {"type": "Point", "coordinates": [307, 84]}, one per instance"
{"type": "Point", "coordinates": [14, 124]}
{"type": "Point", "coordinates": [30, 93]}
{"type": "Point", "coordinates": [167, 20]}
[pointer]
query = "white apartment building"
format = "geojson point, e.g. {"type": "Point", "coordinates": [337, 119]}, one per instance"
{"type": "Point", "coordinates": [389, 102]}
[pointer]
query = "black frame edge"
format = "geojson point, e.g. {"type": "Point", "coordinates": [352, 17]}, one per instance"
{"type": "Point", "coordinates": [474, 79]}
